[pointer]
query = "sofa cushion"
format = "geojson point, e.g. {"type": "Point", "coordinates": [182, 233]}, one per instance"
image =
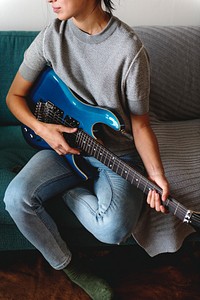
{"type": "Point", "coordinates": [175, 70]}
{"type": "Point", "coordinates": [179, 144]}
{"type": "Point", "coordinates": [12, 45]}
{"type": "Point", "coordinates": [14, 153]}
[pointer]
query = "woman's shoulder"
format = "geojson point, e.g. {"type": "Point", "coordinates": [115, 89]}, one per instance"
{"type": "Point", "coordinates": [128, 36]}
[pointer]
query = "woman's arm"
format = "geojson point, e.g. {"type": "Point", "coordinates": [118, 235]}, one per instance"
{"type": "Point", "coordinates": [147, 146]}
{"type": "Point", "coordinates": [51, 133]}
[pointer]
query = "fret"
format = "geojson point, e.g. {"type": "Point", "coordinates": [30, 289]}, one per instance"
{"type": "Point", "coordinates": [104, 160]}
{"type": "Point", "coordinates": [87, 145]}
{"type": "Point", "coordinates": [93, 148]}
{"type": "Point", "coordinates": [122, 171]}
{"type": "Point", "coordinates": [136, 180]}
{"type": "Point", "coordinates": [125, 172]}
{"type": "Point", "coordinates": [81, 141]}
{"type": "Point", "coordinates": [116, 167]}
{"type": "Point", "coordinates": [83, 144]}
{"type": "Point", "coordinates": [133, 178]}
{"type": "Point", "coordinates": [175, 211]}
{"type": "Point", "coordinates": [100, 155]}
{"type": "Point", "coordinates": [111, 162]}
{"type": "Point", "coordinates": [90, 147]}
{"type": "Point", "coordinates": [116, 164]}
{"type": "Point", "coordinates": [145, 187]}
{"type": "Point", "coordinates": [107, 161]}
{"type": "Point", "coordinates": [138, 183]}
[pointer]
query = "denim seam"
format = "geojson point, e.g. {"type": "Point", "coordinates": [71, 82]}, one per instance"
{"type": "Point", "coordinates": [70, 194]}
{"type": "Point", "coordinates": [111, 187]}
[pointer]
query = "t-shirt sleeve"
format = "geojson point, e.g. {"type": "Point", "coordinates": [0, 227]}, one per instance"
{"type": "Point", "coordinates": [138, 84]}
{"type": "Point", "coordinates": [34, 59]}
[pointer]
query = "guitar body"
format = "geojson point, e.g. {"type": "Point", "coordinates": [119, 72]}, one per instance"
{"type": "Point", "coordinates": [50, 88]}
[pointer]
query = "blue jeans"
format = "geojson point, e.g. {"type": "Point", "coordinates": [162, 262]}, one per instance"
{"type": "Point", "coordinates": [109, 208]}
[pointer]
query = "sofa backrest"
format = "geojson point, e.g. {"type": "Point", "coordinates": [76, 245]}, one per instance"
{"type": "Point", "coordinates": [175, 70]}
{"type": "Point", "coordinates": [12, 47]}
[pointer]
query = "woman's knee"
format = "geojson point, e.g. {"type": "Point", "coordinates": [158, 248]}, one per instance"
{"type": "Point", "coordinates": [15, 196]}
{"type": "Point", "coordinates": [112, 230]}
{"type": "Point", "coordinates": [113, 237]}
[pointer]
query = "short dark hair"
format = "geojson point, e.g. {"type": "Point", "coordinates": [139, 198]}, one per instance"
{"type": "Point", "coordinates": [109, 5]}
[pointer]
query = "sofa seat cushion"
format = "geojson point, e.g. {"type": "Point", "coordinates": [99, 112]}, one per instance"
{"type": "Point", "coordinates": [179, 144]}
{"type": "Point", "coordinates": [14, 153]}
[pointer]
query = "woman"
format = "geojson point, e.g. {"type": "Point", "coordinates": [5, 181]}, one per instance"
{"type": "Point", "coordinates": [102, 60]}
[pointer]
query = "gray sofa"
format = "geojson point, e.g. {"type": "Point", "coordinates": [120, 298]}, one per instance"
{"type": "Point", "coordinates": [175, 115]}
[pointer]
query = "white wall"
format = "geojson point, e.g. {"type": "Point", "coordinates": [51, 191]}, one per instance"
{"type": "Point", "coordinates": [35, 14]}
{"type": "Point", "coordinates": [159, 12]}
{"type": "Point", "coordinates": [23, 14]}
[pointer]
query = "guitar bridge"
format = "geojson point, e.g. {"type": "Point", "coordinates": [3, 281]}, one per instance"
{"type": "Point", "coordinates": [47, 112]}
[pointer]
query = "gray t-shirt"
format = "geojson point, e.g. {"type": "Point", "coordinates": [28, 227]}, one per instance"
{"type": "Point", "coordinates": [109, 69]}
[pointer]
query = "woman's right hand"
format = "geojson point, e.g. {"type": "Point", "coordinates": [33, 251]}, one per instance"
{"type": "Point", "coordinates": [53, 135]}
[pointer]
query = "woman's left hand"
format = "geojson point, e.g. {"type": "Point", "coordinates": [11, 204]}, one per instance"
{"type": "Point", "coordinates": [154, 199]}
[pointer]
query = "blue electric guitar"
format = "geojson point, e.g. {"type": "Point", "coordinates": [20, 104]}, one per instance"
{"type": "Point", "coordinates": [52, 101]}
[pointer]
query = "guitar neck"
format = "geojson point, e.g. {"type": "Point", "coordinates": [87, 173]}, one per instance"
{"type": "Point", "coordinates": [93, 148]}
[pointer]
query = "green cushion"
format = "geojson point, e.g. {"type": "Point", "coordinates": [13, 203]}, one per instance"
{"type": "Point", "coordinates": [12, 239]}
{"type": "Point", "coordinates": [12, 45]}
{"type": "Point", "coordinates": [14, 154]}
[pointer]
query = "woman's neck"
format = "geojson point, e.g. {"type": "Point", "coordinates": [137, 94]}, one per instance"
{"type": "Point", "coordinates": [93, 22]}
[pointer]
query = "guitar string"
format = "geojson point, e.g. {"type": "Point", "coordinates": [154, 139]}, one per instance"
{"type": "Point", "coordinates": [196, 217]}
{"type": "Point", "coordinates": [181, 209]}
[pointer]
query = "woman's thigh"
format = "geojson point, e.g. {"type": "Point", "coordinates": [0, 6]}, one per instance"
{"type": "Point", "coordinates": [110, 209]}
{"type": "Point", "coordinates": [44, 176]}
